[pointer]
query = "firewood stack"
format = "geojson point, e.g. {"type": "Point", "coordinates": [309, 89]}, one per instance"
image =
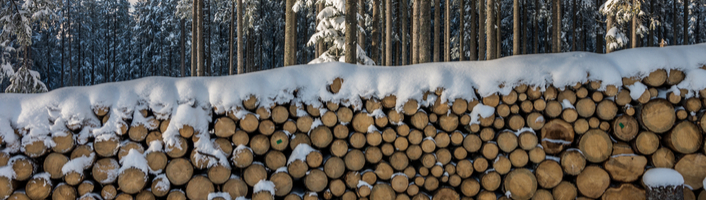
{"type": "Point", "coordinates": [585, 141]}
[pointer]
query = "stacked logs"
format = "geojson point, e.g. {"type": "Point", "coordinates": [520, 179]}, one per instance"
{"type": "Point", "coordinates": [586, 141]}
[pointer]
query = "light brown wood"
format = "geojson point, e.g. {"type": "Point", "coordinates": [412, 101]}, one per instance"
{"type": "Point", "coordinates": [64, 143]}
{"type": "Point", "coordinates": [53, 164]}
{"type": "Point", "coordinates": [548, 174]}
{"type": "Point", "coordinates": [235, 187]}
{"type": "Point", "coordinates": [179, 171]}
{"type": "Point", "coordinates": [657, 116]}
{"type": "Point", "coordinates": [84, 187]}
{"type": "Point", "coordinates": [382, 191]}
{"type": "Point", "coordinates": [259, 144]}
{"type": "Point", "coordinates": [655, 78]}
{"type": "Point", "coordinates": [625, 191]}
{"type": "Point", "coordinates": [254, 173]}
{"type": "Point", "coordinates": [625, 128]}
{"type": "Point", "coordinates": [553, 109]}
{"type": "Point", "coordinates": [521, 184]}
{"type": "Point", "coordinates": [693, 168]}
{"type": "Point", "coordinates": [335, 85]}
{"type": "Point", "coordinates": [304, 123]}
{"type": "Point", "coordinates": [199, 187]}
{"type": "Point", "coordinates": [132, 180]}
{"type": "Point", "coordinates": [585, 107]}
{"type": "Point", "coordinates": [664, 158]}
{"type": "Point", "coordinates": [596, 145]}
{"type": "Point", "coordinates": [626, 167]}
{"type": "Point", "coordinates": [606, 110]}
{"type": "Point", "coordinates": [108, 147]}
{"type": "Point", "coordinates": [573, 162]}
{"type": "Point", "coordinates": [564, 191]}
{"type": "Point", "coordinates": [104, 169]}
{"type": "Point", "coordinates": [490, 180]}
{"type": "Point", "coordinates": [63, 192]}
{"type": "Point", "coordinates": [38, 188]}
{"type": "Point", "coordinates": [555, 135]}
{"type": "Point", "coordinates": [684, 138]}
{"type": "Point", "coordinates": [646, 143]}
{"type": "Point", "coordinates": [592, 181]}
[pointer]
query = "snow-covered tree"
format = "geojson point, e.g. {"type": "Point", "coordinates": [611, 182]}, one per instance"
{"type": "Point", "coordinates": [330, 30]}
{"type": "Point", "coordinates": [619, 14]}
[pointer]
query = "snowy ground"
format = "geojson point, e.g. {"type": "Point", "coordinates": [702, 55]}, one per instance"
{"type": "Point", "coordinates": [181, 99]}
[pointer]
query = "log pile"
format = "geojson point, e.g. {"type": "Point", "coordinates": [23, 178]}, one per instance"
{"type": "Point", "coordinates": [587, 141]}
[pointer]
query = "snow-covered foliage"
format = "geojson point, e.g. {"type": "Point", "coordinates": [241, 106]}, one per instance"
{"type": "Point", "coordinates": [26, 81]}
{"type": "Point", "coordinates": [331, 29]}
{"type": "Point", "coordinates": [622, 12]}
{"type": "Point", "coordinates": [17, 18]}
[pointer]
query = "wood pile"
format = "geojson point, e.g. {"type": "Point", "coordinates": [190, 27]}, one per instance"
{"type": "Point", "coordinates": [585, 141]}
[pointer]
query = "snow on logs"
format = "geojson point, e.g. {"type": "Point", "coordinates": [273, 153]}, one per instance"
{"type": "Point", "coordinates": [586, 140]}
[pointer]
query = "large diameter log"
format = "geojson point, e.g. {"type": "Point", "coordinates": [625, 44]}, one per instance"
{"type": "Point", "coordinates": [657, 116]}
{"type": "Point", "coordinates": [626, 167]}
{"type": "Point", "coordinates": [663, 158]}
{"type": "Point", "coordinates": [555, 135]}
{"type": "Point", "coordinates": [596, 145]}
{"type": "Point", "coordinates": [105, 170]}
{"type": "Point", "coordinates": [254, 173]}
{"type": "Point", "coordinates": [53, 164]}
{"type": "Point", "coordinates": [626, 191]}
{"type": "Point", "coordinates": [592, 181]}
{"type": "Point", "coordinates": [283, 183]}
{"type": "Point", "coordinates": [684, 138]}
{"type": "Point", "coordinates": [521, 184]}
{"type": "Point", "coordinates": [693, 168]}
{"type": "Point", "coordinates": [361, 122]}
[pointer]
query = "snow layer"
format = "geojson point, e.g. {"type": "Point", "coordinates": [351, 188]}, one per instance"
{"type": "Point", "coordinates": [223, 195]}
{"type": "Point", "coordinates": [78, 164]}
{"type": "Point", "coordinates": [184, 100]}
{"type": "Point", "coordinates": [662, 177]}
{"type": "Point", "coordinates": [134, 159]}
{"type": "Point", "coordinates": [300, 153]}
{"type": "Point", "coordinates": [264, 185]}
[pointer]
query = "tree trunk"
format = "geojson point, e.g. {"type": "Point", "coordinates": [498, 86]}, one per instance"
{"type": "Point", "coordinates": [686, 22]}
{"type": "Point", "coordinates": [650, 37]}
{"type": "Point", "coordinates": [516, 27]}
{"type": "Point", "coordinates": [425, 29]}
{"type": "Point", "coordinates": [361, 23]}
{"type": "Point", "coordinates": [415, 31]}
{"type": "Point", "coordinates": [557, 26]}
{"type": "Point", "coordinates": [375, 43]}
{"type": "Point", "coordinates": [675, 23]}
{"type": "Point", "coordinates": [350, 31]}
{"type": "Point", "coordinates": [481, 32]}
{"type": "Point", "coordinates": [490, 26]}
{"type": "Point", "coordinates": [388, 33]}
{"type": "Point", "coordinates": [182, 47]}
{"type": "Point", "coordinates": [599, 33]}
{"type": "Point", "coordinates": [437, 31]}
{"type": "Point", "coordinates": [523, 27]}
{"type": "Point", "coordinates": [199, 39]}
{"type": "Point", "coordinates": [609, 25]}
{"type": "Point", "coordinates": [474, 32]}
{"type": "Point", "coordinates": [633, 29]}
{"type": "Point", "coordinates": [62, 38]}
{"type": "Point", "coordinates": [382, 29]}
{"type": "Point", "coordinates": [499, 30]}
{"type": "Point", "coordinates": [71, 66]}
{"type": "Point", "coordinates": [447, 31]}
{"type": "Point", "coordinates": [535, 27]}
{"type": "Point", "coordinates": [231, 37]}
{"type": "Point", "coordinates": [461, 29]}
{"type": "Point", "coordinates": [194, 24]}
{"type": "Point", "coordinates": [403, 32]}
{"type": "Point", "coordinates": [574, 26]}
{"type": "Point", "coordinates": [290, 34]}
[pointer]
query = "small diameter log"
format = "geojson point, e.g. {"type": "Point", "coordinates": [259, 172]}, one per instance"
{"type": "Point", "coordinates": [459, 106]}
{"type": "Point", "coordinates": [502, 165]}
{"type": "Point", "coordinates": [470, 187]}
{"type": "Point", "coordinates": [626, 167]}
{"type": "Point", "coordinates": [535, 121]}
{"type": "Point", "coordinates": [519, 158]}
{"type": "Point", "coordinates": [334, 87]}
{"type": "Point", "coordinates": [626, 191]}
{"type": "Point", "coordinates": [693, 168]}
{"type": "Point", "coordinates": [361, 122]}
{"type": "Point", "coordinates": [176, 195]}
{"type": "Point", "coordinates": [664, 183]}
{"type": "Point", "coordinates": [173, 150]}
{"type": "Point", "coordinates": [507, 141]}
{"type": "Point", "coordinates": [537, 154]}
{"type": "Point", "coordinates": [548, 174]}
{"type": "Point", "coordinates": [109, 192]}
{"type": "Point", "coordinates": [344, 115]}
{"type": "Point", "coordinates": [355, 160]}
{"type": "Point", "coordinates": [107, 147]}
{"type": "Point", "coordinates": [266, 127]}
{"type": "Point", "coordinates": [64, 142]}
{"type": "Point", "coordinates": [321, 137]}
{"type": "Point", "coordinates": [646, 143]}
{"type": "Point", "coordinates": [179, 171]}
{"type": "Point", "coordinates": [657, 116]}
{"type": "Point", "coordinates": [592, 181]}
{"type": "Point", "coordinates": [199, 187]}
{"type": "Point", "coordinates": [663, 158]}
{"type": "Point", "coordinates": [303, 123]}
{"type": "Point", "coordinates": [684, 138]}
{"type": "Point", "coordinates": [553, 109]}
{"type": "Point", "coordinates": [260, 144]}
{"type": "Point", "coordinates": [521, 184]}
{"type": "Point", "coordinates": [316, 180]}
{"type": "Point", "coordinates": [596, 145]}
{"type": "Point", "coordinates": [38, 187]}
{"type": "Point", "coordinates": [85, 187]}
{"type": "Point", "coordinates": [573, 162]}
{"type": "Point", "coordinates": [382, 191]}
{"type": "Point", "coordinates": [555, 135]}
{"type": "Point", "coordinates": [625, 128]}
{"type": "Point", "coordinates": [675, 77]}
